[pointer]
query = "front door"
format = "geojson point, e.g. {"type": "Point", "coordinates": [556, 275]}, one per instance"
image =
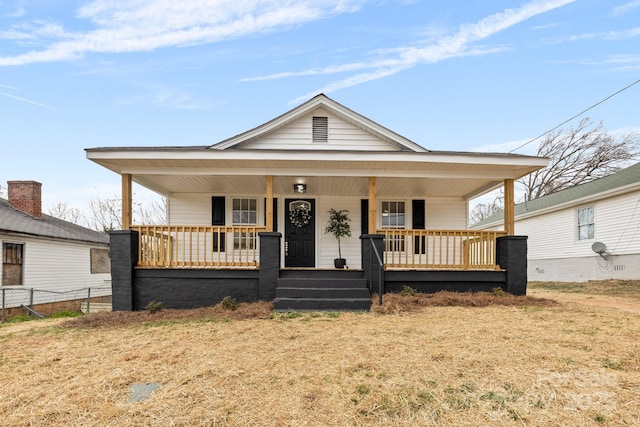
{"type": "Point", "coordinates": [300, 233]}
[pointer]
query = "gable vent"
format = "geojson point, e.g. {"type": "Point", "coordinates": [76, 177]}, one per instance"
{"type": "Point", "coordinates": [320, 129]}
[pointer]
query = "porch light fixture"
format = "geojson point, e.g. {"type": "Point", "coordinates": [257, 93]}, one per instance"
{"type": "Point", "coordinates": [299, 188]}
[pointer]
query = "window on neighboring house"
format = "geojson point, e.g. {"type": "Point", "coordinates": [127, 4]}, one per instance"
{"type": "Point", "coordinates": [586, 223]}
{"type": "Point", "coordinates": [12, 260]}
{"type": "Point", "coordinates": [245, 212]}
{"type": "Point", "coordinates": [320, 127]}
{"type": "Point", "coordinates": [393, 216]}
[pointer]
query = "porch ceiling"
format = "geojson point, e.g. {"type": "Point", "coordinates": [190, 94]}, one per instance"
{"type": "Point", "coordinates": [321, 186]}
{"type": "Point", "coordinates": [433, 174]}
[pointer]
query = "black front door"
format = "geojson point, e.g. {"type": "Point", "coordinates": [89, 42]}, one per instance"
{"type": "Point", "coordinates": [299, 239]}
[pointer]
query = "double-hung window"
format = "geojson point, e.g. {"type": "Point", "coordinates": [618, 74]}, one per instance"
{"type": "Point", "coordinates": [393, 217]}
{"type": "Point", "coordinates": [245, 212]}
{"type": "Point", "coordinates": [586, 221]}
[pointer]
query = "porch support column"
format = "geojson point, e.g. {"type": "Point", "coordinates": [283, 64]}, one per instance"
{"type": "Point", "coordinates": [511, 254]}
{"type": "Point", "coordinates": [126, 201]}
{"type": "Point", "coordinates": [269, 265]}
{"type": "Point", "coordinates": [269, 204]}
{"type": "Point", "coordinates": [372, 205]}
{"type": "Point", "coordinates": [123, 251]}
{"type": "Point", "coordinates": [509, 207]}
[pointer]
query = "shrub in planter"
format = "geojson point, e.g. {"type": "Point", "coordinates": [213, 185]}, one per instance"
{"type": "Point", "coordinates": [338, 225]}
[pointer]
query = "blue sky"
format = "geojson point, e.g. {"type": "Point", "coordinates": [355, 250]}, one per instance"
{"type": "Point", "coordinates": [455, 75]}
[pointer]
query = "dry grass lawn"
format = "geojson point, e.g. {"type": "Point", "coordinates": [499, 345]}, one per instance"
{"type": "Point", "coordinates": [445, 360]}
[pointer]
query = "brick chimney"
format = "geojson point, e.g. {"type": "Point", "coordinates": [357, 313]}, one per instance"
{"type": "Point", "coordinates": [26, 196]}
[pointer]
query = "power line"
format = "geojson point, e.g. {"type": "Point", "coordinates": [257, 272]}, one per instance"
{"type": "Point", "coordinates": [577, 115]}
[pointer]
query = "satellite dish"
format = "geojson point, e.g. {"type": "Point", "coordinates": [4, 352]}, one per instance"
{"type": "Point", "coordinates": [599, 248]}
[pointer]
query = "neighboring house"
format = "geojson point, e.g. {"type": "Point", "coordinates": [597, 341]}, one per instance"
{"type": "Point", "coordinates": [44, 259]}
{"type": "Point", "coordinates": [246, 216]}
{"type": "Point", "coordinates": [587, 232]}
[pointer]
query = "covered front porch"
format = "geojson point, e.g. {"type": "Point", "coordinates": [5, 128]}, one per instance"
{"type": "Point", "coordinates": [194, 265]}
{"type": "Point", "coordinates": [406, 231]}
{"type": "Point", "coordinates": [423, 228]}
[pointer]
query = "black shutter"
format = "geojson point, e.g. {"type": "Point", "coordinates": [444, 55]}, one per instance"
{"type": "Point", "coordinates": [218, 218]}
{"type": "Point", "coordinates": [364, 216]}
{"type": "Point", "coordinates": [217, 210]}
{"type": "Point", "coordinates": [418, 223]}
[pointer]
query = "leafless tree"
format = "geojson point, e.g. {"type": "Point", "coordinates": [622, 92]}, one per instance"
{"type": "Point", "coordinates": [63, 211]}
{"type": "Point", "coordinates": [577, 156]}
{"type": "Point", "coordinates": [484, 210]}
{"type": "Point", "coordinates": [150, 212]}
{"type": "Point", "coordinates": [3, 192]}
{"type": "Point", "coordinates": [105, 214]}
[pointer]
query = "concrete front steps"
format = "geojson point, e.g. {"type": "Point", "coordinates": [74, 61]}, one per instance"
{"type": "Point", "coordinates": [322, 290]}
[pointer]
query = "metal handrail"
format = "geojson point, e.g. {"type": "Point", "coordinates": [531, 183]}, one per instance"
{"type": "Point", "coordinates": [380, 271]}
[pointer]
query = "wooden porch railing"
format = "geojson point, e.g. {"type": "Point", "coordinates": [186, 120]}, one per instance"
{"type": "Point", "coordinates": [176, 246]}
{"type": "Point", "coordinates": [441, 249]}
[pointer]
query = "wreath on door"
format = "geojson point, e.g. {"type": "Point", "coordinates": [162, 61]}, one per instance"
{"type": "Point", "coordinates": [299, 215]}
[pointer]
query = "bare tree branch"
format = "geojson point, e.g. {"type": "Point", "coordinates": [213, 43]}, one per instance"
{"type": "Point", "coordinates": [63, 211]}
{"type": "Point", "coordinates": [577, 156]}
{"type": "Point", "coordinates": [105, 214]}
{"type": "Point", "coordinates": [484, 210]}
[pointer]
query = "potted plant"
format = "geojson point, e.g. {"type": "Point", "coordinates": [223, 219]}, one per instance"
{"type": "Point", "coordinates": [338, 225]}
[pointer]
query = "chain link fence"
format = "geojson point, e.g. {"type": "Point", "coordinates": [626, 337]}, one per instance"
{"type": "Point", "coordinates": [40, 302]}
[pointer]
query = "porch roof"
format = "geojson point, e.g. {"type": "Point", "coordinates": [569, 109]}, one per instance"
{"type": "Point", "coordinates": [199, 169]}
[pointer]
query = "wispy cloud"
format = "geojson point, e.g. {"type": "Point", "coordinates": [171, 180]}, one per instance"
{"type": "Point", "coordinates": [165, 97]}
{"type": "Point", "coordinates": [28, 101]}
{"type": "Point", "coordinates": [626, 8]}
{"type": "Point", "coordinates": [445, 47]}
{"type": "Point", "coordinates": [621, 62]}
{"type": "Point", "coordinates": [508, 146]}
{"type": "Point", "coordinates": [608, 35]}
{"type": "Point", "coordinates": [146, 25]}
{"type": "Point", "coordinates": [14, 10]}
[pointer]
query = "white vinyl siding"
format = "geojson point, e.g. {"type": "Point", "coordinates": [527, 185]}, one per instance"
{"type": "Point", "coordinates": [58, 267]}
{"type": "Point", "coordinates": [195, 209]}
{"type": "Point", "coordinates": [553, 235]}
{"type": "Point", "coordinates": [555, 252]}
{"type": "Point", "coordinates": [446, 213]}
{"type": "Point", "coordinates": [341, 136]}
{"type": "Point", "coordinates": [189, 209]}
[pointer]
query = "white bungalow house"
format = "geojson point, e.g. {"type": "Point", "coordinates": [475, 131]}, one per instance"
{"type": "Point", "coordinates": [46, 261]}
{"type": "Point", "coordinates": [587, 232]}
{"type": "Point", "coordinates": [226, 200]}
